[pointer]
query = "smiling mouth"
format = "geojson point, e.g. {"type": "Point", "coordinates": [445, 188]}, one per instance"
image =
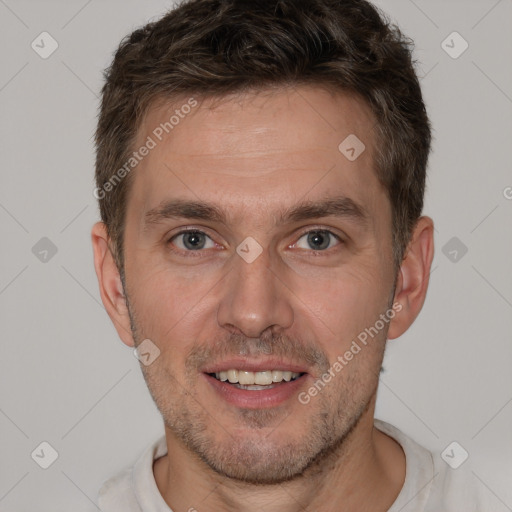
{"type": "Point", "coordinates": [255, 381]}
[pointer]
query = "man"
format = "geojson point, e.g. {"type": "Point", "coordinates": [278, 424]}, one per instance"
{"type": "Point", "coordinates": [260, 174]}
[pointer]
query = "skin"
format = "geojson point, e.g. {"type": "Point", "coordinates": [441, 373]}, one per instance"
{"type": "Point", "coordinates": [255, 155]}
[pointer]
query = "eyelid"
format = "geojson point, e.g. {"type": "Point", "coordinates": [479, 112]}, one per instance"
{"type": "Point", "coordinates": [326, 229]}
{"type": "Point", "coordinates": [302, 233]}
{"type": "Point", "coordinates": [187, 229]}
{"type": "Point", "coordinates": [193, 254]}
{"type": "Point", "coordinates": [339, 238]}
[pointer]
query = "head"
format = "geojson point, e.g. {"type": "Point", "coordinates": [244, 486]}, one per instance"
{"type": "Point", "coordinates": [290, 139]}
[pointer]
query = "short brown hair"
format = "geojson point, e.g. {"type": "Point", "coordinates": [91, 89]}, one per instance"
{"type": "Point", "coordinates": [217, 47]}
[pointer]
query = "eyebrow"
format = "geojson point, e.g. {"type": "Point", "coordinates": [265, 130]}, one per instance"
{"type": "Point", "coordinates": [340, 206]}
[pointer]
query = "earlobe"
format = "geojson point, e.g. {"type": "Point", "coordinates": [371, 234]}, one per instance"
{"type": "Point", "coordinates": [110, 285]}
{"type": "Point", "coordinates": [413, 277]}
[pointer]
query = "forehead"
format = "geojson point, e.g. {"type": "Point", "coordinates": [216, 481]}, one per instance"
{"type": "Point", "coordinates": [249, 151]}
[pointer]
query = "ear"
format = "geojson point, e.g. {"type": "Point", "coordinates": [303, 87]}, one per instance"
{"type": "Point", "coordinates": [413, 277]}
{"type": "Point", "coordinates": [109, 280]}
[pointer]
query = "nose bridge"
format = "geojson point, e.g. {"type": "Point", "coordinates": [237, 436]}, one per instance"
{"type": "Point", "coordinates": [254, 298]}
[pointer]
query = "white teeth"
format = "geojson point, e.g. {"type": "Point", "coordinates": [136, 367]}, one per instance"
{"type": "Point", "coordinates": [277, 375]}
{"type": "Point", "coordinates": [245, 378]}
{"type": "Point", "coordinates": [264, 378]}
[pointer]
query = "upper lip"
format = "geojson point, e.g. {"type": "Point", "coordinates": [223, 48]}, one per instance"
{"type": "Point", "coordinates": [255, 366]}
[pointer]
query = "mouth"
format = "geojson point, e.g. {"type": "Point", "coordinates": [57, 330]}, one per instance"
{"type": "Point", "coordinates": [255, 381]}
{"type": "Point", "coordinates": [256, 385]}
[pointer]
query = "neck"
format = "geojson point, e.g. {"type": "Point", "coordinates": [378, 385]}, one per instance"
{"type": "Point", "coordinates": [365, 472]}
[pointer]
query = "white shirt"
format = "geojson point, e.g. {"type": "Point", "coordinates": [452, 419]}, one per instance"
{"type": "Point", "coordinates": [431, 485]}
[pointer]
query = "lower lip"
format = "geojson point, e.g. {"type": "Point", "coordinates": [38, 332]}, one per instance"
{"type": "Point", "coordinates": [259, 398]}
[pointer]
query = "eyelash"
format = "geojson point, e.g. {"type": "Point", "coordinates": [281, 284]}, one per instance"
{"type": "Point", "coordinates": [198, 253]}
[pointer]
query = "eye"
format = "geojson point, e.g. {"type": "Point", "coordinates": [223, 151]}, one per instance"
{"type": "Point", "coordinates": [318, 240]}
{"type": "Point", "coordinates": [192, 240]}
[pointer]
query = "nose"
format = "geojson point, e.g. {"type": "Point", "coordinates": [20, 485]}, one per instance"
{"type": "Point", "coordinates": [255, 298]}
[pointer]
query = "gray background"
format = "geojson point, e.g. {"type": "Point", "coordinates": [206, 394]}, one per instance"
{"type": "Point", "coordinates": [65, 376]}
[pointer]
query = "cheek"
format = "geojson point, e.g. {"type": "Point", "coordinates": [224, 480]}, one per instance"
{"type": "Point", "coordinates": [165, 303]}
{"type": "Point", "coordinates": [344, 302]}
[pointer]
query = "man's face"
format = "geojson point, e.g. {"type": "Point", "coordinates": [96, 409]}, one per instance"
{"type": "Point", "coordinates": [211, 302]}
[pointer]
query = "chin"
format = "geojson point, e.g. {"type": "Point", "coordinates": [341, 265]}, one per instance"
{"type": "Point", "coordinates": [255, 463]}
{"type": "Point", "coordinates": [259, 454]}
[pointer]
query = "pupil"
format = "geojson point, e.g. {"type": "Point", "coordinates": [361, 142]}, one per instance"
{"type": "Point", "coordinates": [193, 240]}
{"type": "Point", "coordinates": [316, 238]}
